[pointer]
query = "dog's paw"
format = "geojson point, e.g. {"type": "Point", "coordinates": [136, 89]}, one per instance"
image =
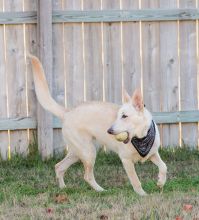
{"type": "Point", "coordinates": [161, 180]}
{"type": "Point", "coordinates": [62, 186]}
{"type": "Point", "coordinates": [161, 183]}
{"type": "Point", "coordinates": [100, 189]}
{"type": "Point", "coordinates": [143, 194]}
{"type": "Point", "coordinates": [60, 182]}
{"type": "Point", "coordinates": [140, 191]}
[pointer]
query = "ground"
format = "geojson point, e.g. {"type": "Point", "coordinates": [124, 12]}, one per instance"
{"type": "Point", "coordinates": [28, 190]}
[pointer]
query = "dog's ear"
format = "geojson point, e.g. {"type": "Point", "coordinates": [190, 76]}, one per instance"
{"type": "Point", "coordinates": [126, 96]}
{"type": "Point", "coordinates": [137, 100]}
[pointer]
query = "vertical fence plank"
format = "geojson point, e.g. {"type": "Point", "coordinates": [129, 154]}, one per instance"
{"type": "Point", "coordinates": [58, 74]}
{"type": "Point", "coordinates": [197, 35]}
{"type": "Point", "coordinates": [131, 49]}
{"type": "Point", "coordinates": [112, 56]}
{"type": "Point", "coordinates": [45, 125]}
{"type": "Point", "coordinates": [74, 63]}
{"type": "Point", "coordinates": [188, 74]}
{"type": "Point", "coordinates": [169, 73]}
{"type": "Point", "coordinates": [15, 68]}
{"type": "Point", "coordinates": [31, 47]}
{"type": "Point", "coordinates": [151, 65]}
{"type": "Point", "coordinates": [3, 93]}
{"type": "Point", "coordinates": [93, 55]}
{"type": "Point", "coordinates": [151, 61]}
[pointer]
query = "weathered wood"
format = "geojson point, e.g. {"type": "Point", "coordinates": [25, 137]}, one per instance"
{"type": "Point", "coordinates": [175, 117]}
{"type": "Point", "coordinates": [159, 117]}
{"type": "Point", "coordinates": [60, 16]}
{"type": "Point", "coordinates": [58, 74]}
{"type": "Point", "coordinates": [93, 55]}
{"type": "Point", "coordinates": [30, 31]}
{"type": "Point", "coordinates": [169, 72]}
{"type": "Point", "coordinates": [126, 15]}
{"type": "Point", "coordinates": [16, 82]}
{"type": "Point", "coordinates": [18, 123]}
{"type": "Point", "coordinates": [45, 128]}
{"type": "Point", "coordinates": [197, 54]}
{"type": "Point", "coordinates": [188, 74]}
{"type": "Point", "coordinates": [112, 56]}
{"type": "Point", "coordinates": [19, 17]}
{"type": "Point", "coordinates": [74, 62]}
{"type": "Point", "coordinates": [3, 94]}
{"type": "Point", "coordinates": [131, 50]}
{"type": "Point", "coordinates": [151, 61]}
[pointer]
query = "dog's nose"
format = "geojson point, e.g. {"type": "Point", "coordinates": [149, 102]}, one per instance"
{"type": "Point", "coordinates": [110, 131]}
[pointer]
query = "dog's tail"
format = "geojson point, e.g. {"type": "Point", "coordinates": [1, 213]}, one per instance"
{"type": "Point", "coordinates": [42, 90]}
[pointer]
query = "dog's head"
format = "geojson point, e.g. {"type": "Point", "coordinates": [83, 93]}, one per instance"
{"type": "Point", "coordinates": [132, 117]}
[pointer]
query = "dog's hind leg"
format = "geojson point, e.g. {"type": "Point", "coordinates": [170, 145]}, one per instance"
{"type": "Point", "coordinates": [82, 146]}
{"type": "Point", "coordinates": [62, 166]}
{"type": "Point", "coordinates": [156, 159]}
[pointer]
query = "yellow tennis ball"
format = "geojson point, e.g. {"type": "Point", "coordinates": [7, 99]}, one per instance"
{"type": "Point", "coordinates": [121, 136]}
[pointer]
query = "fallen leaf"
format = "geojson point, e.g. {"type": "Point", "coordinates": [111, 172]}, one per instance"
{"type": "Point", "coordinates": [179, 218]}
{"type": "Point", "coordinates": [187, 207]}
{"type": "Point", "coordinates": [61, 198]}
{"type": "Point", "coordinates": [49, 210]}
{"type": "Point", "coordinates": [103, 217]}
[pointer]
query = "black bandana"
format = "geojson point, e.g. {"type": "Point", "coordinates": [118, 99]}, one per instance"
{"type": "Point", "coordinates": [144, 145]}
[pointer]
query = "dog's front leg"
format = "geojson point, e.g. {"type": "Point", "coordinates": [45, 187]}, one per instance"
{"type": "Point", "coordinates": [162, 176]}
{"type": "Point", "coordinates": [132, 175]}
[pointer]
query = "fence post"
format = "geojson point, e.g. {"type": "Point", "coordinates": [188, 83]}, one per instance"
{"type": "Point", "coordinates": [45, 119]}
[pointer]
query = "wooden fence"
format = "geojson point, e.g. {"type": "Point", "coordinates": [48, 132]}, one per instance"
{"type": "Point", "coordinates": [97, 48]}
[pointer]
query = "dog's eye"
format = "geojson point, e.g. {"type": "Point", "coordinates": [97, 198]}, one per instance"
{"type": "Point", "coordinates": [124, 116]}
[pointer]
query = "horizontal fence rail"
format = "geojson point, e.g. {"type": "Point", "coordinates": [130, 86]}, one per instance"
{"type": "Point", "coordinates": [125, 15]}
{"type": "Point", "coordinates": [25, 17]}
{"type": "Point", "coordinates": [159, 118]}
{"type": "Point", "coordinates": [60, 16]}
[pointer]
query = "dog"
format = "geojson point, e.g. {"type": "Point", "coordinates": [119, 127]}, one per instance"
{"type": "Point", "coordinates": [93, 122]}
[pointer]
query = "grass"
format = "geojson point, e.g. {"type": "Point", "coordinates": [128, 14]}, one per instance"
{"type": "Point", "coordinates": [28, 189]}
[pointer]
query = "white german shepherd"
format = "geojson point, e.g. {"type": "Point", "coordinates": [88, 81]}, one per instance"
{"type": "Point", "coordinates": [89, 122]}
